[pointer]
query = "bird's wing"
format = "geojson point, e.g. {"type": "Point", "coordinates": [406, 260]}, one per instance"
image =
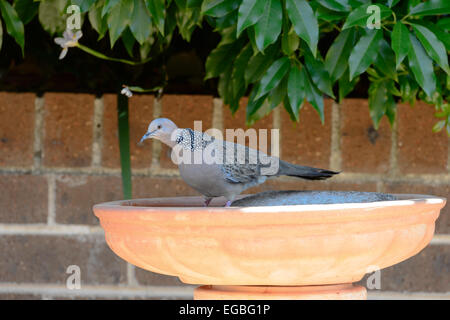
{"type": "Point", "coordinates": [243, 164]}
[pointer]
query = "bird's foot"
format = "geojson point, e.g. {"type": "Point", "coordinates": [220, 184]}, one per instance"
{"type": "Point", "coordinates": [228, 203]}
{"type": "Point", "coordinates": [206, 202]}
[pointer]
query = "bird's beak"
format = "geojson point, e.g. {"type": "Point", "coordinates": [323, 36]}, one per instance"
{"type": "Point", "coordinates": [147, 135]}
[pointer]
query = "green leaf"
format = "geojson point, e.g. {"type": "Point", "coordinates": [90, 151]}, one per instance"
{"type": "Point", "coordinates": [408, 89]}
{"type": "Point", "coordinates": [439, 126]}
{"type": "Point", "coordinates": [119, 19]}
{"type": "Point", "coordinates": [385, 61]}
{"type": "Point", "coordinates": [296, 88]}
{"type": "Point", "coordinates": [431, 7]}
{"type": "Point", "coordinates": [249, 13]}
{"type": "Point", "coordinates": [128, 41]}
{"type": "Point", "coordinates": [293, 114]}
{"type": "Point", "coordinates": [422, 66]}
{"type": "Point", "coordinates": [124, 145]}
{"type": "Point", "coordinates": [273, 76]}
{"type": "Point", "coordinates": [329, 15]}
{"type": "Point", "coordinates": [360, 17]}
{"type": "Point", "coordinates": [193, 3]}
{"type": "Point", "coordinates": [400, 42]}
{"type": "Point", "coordinates": [157, 11]}
{"type": "Point", "coordinates": [364, 52]}
{"type": "Point", "coordinates": [381, 102]}
{"type": "Point", "coordinates": [14, 26]}
{"type": "Point", "coordinates": [238, 86]}
{"type": "Point", "coordinates": [336, 60]}
{"type": "Point", "coordinates": [140, 24]}
{"type": "Point", "coordinates": [219, 8]}
{"type": "Point", "coordinates": [109, 4]}
{"type": "Point", "coordinates": [440, 34]}
{"type": "Point", "coordinates": [392, 3]}
{"type": "Point", "coordinates": [277, 95]}
{"type": "Point", "coordinates": [433, 46]}
{"type": "Point", "coordinates": [335, 5]}
{"type": "Point", "coordinates": [84, 5]}
{"type": "Point", "coordinates": [226, 21]}
{"type": "Point", "coordinates": [345, 85]}
{"type": "Point", "coordinates": [187, 20]}
{"type": "Point", "coordinates": [220, 57]}
{"type": "Point", "coordinates": [259, 63]}
{"type": "Point", "coordinates": [96, 20]}
{"type": "Point", "coordinates": [268, 28]}
{"type": "Point", "coordinates": [254, 103]}
{"type": "Point", "coordinates": [314, 96]}
{"type": "Point", "coordinates": [304, 22]}
{"type": "Point", "coordinates": [26, 10]}
{"type": "Point", "coordinates": [289, 41]}
{"type": "Point", "coordinates": [444, 23]}
{"type": "Point", "coordinates": [319, 74]}
{"type": "Point", "coordinates": [1, 34]}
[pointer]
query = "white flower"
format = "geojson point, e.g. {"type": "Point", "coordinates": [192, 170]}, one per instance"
{"type": "Point", "coordinates": [126, 91]}
{"type": "Point", "coordinates": [68, 40]}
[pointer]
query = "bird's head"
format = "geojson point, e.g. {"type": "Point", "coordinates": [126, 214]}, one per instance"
{"type": "Point", "coordinates": [161, 129]}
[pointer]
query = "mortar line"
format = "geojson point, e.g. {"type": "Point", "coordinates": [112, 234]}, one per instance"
{"type": "Point", "coordinates": [156, 145]}
{"type": "Point", "coordinates": [52, 290]}
{"type": "Point", "coordinates": [43, 229]}
{"type": "Point", "coordinates": [97, 132]}
{"type": "Point", "coordinates": [335, 156]}
{"type": "Point", "coordinates": [217, 116]}
{"type": "Point", "coordinates": [448, 154]}
{"type": "Point", "coordinates": [276, 124]}
{"type": "Point", "coordinates": [347, 177]}
{"type": "Point", "coordinates": [392, 295]}
{"type": "Point", "coordinates": [393, 157]}
{"type": "Point", "coordinates": [51, 182]}
{"type": "Point", "coordinates": [131, 275]}
{"type": "Point", "coordinates": [38, 132]}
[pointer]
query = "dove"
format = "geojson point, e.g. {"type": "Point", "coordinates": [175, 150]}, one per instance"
{"type": "Point", "coordinates": [218, 168]}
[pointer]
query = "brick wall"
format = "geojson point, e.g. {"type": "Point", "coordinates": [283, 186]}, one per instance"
{"type": "Point", "coordinates": [59, 156]}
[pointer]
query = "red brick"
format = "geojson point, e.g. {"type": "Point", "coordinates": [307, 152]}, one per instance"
{"type": "Point", "coordinates": [23, 198]}
{"type": "Point", "coordinates": [75, 196]}
{"type": "Point", "coordinates": [140, 115]}
{"type": "Point", "coordinates": [428, 271]}
{"type": "Point", "coordinates": [364, 149]}
{"type": "Point", "coordinates": [44, 259]}
{"type": "Point", "coordinates": [419, 149]}
{"type": "Point", "coordinates": [68, 129]}
{"type": "Point", "coordinates": [307, 142]}
{"type": "Point", "coordinates": [184, 110]}
{"type": "Point", "coordinates": [147, 187]}
{"type": "Point", "coordinates": [443, 222]}
{"type": "Point", "coordinates": [16, 129]}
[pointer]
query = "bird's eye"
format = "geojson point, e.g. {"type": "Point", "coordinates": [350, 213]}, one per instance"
{"type": "Point", "coordinates": [159, 127]}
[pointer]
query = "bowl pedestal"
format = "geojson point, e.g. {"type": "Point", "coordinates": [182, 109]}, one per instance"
{"type": "Point", "coordinates": [322, 292]}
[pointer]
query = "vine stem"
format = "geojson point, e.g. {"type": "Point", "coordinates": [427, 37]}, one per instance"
{"type": "Point", "coordinates": [104, 57]}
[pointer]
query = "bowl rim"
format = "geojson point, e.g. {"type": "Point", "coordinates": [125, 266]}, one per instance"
{"type": "Point", "coordinates": [132, 204]}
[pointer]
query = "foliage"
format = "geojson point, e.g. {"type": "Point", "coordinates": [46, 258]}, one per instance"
{"type": "Point", "coordinates": [280, 51]}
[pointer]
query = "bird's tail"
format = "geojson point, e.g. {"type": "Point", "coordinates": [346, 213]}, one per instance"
{"type": "Point", "coordinates": [289, 169]}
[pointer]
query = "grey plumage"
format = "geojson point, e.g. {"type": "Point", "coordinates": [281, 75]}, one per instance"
{"type": "Point", "coordinates": [238, 168]}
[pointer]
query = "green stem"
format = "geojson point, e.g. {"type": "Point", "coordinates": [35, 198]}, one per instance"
{"type": "Point", "coordinates": [124, 144]}
{"type": "Point", "coordinates": [139, 89]}
{"type": "Point", "coordinates": [102, 56]}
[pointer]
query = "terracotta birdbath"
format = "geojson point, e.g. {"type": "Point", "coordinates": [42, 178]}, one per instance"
{"type": "Point", "coordinates": [312, 251]}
